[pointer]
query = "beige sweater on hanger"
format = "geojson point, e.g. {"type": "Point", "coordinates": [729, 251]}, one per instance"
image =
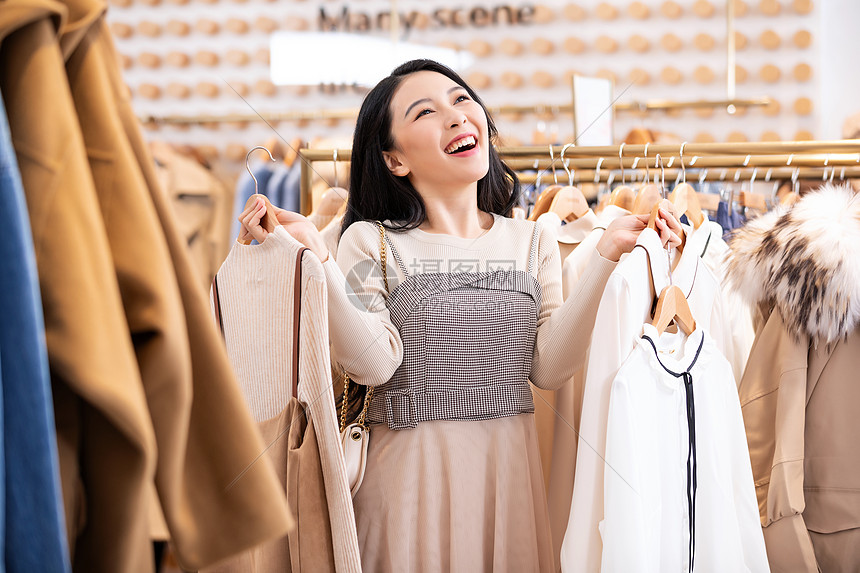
{"type": "Point", "coordinates": [256, 285]}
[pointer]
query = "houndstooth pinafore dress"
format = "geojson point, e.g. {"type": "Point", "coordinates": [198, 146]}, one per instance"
{"type": "Point", "coordinates": [453, 480]}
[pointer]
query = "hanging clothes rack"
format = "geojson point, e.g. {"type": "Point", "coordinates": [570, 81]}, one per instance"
{"type": "Point", "coordinates": [727, 175]}
{"type": "Point", "coordinates": [730, 162]}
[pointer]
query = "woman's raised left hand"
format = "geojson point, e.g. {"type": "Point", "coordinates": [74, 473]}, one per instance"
{"type": "Point", "coordinates": [622, 233]}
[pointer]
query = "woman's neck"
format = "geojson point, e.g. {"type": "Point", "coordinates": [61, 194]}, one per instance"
{"type": "Point", "coordinates": [455, 214]}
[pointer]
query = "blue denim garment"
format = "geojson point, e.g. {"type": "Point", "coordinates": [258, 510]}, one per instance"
{"type": "Point", "coordinates": [738, 220]}
{"type": "Point", "coordinates": [723, 217]}
{"type": "Point", "coordinates": [275, 185]}
{"type": "Point", "coordinates": [291, 188]}
{"type": "Point", "coordinates": [33, 523]}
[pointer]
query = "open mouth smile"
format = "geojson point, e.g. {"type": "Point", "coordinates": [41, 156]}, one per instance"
{"type": "Point", "coordinates": [461, 145]}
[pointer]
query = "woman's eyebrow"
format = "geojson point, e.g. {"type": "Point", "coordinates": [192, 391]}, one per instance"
{"type": "Point", "coordinates": [416, 102]}
{"type": "Point", "coordinates": [427, 99]}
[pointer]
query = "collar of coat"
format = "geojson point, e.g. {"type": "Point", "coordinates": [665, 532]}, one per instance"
{"type": "Point", "coordinates": [805, 262]}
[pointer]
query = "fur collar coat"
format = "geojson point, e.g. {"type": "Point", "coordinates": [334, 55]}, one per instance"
{"type": "Point", "coordinates": [799, 393]}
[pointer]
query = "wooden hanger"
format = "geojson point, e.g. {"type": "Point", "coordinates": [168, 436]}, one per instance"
{"type": "Point", "coordinates": [544, 201]}
{"type": "Point", "coordinates": [788, 199]}
{"type": "Point", "coordinates": [647, 198]}
{"type": "Point", "coordinates": [684, 199]}
{"type": "Point", "coordinates": [275, 148]}
{"type": "Point", "coordinates": [708, 201]}
{"type": "Point", "coordinates": [655, 212]}
{"type": "Point", "coordinates": [602, 202]}
{"type": "Point", "coordinates": [331, 202]}
{"type": "Point", "coordinates": [269, 220]}
{"type": "Point", "coordinates": [292, 153]}
{"type": "Point", "coordinates": [649, 194]}
{"type": "Point", "coordinates": [623, 196]}
{"type": "Point", "coordinates": [672, 305]}
{"type": "Point", "coordinates": [753, 201]}
{"type": "Point", "coordinates": [569, 203]}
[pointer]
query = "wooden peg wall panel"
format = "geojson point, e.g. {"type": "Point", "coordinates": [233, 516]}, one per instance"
{"type": "Point", "coordinates": [653, 49]}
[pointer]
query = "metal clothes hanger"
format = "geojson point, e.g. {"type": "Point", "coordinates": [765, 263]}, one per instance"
{"type": "Point", "coordinates": [684, 196]}
{"type": "Point", "coordinates": [568, 202]}
{"type": "Point", "coordinates": [623, 196]}
{"type": "Point", "coordinates": [532, 198]}
{"type": "Point", "coordinates": [655, 209]}
{"type": "Point", "coordinates": [566, 163]}
{"type": "Point", "coordinates": [334, 158]}
{"type": "Point", "coordinates": [650, 194]}
{"type": "Point", "coordinates": [544, 200]}
{"type": "Point", "coordinates": [793, 195]}
{"type": "Point", "coordinates": [269, 220]}
{"type": "Point", "coordinates": [750, 199]}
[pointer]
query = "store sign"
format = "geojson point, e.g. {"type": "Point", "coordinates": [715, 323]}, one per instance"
{"type": "Point", "coordinates": [347, 20]}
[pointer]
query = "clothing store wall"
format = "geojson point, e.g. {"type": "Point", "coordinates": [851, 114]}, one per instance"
{"type": "Point", "coordinates": [192, 57]}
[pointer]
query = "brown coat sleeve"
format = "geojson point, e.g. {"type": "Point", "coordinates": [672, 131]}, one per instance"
{"type": "Point", "coordinates": [104, 434]}
{"type": "Point", "coordinates": [220, 495]}
{"type": "Point", "coordinates": [773, 402]}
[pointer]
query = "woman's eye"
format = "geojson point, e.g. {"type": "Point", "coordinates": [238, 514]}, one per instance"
{"type": "Point", "coordinates": [461, 98]}
{"type": "Point", "coordinates": [422, 112]}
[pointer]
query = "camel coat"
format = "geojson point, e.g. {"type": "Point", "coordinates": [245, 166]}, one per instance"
{"type": "Point", "coordinates": [800, 391]}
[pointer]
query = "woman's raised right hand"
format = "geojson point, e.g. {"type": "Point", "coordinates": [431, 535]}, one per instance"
{"type": "Point", "coordinates": [299, 227]}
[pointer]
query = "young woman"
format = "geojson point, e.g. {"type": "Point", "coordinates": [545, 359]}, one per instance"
{"type": "Point", "coordinates": [473, 312]}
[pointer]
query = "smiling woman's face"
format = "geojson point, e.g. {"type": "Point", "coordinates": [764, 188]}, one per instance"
{"type": "Point", "coordinates": [439, 131]}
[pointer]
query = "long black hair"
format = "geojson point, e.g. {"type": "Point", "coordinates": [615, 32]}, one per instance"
{"type": "Point", "coordinates": [376, 194]}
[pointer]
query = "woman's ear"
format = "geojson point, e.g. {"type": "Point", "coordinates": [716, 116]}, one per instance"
{"type": "Point", "coordinates": [394, 164]}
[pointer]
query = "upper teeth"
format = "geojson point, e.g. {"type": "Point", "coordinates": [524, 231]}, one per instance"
{"type": "Point", "coordinates": [469, 140]}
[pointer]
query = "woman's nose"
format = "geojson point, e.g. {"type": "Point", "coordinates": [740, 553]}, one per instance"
{"type": "Point", "coordinates": [458, 120]}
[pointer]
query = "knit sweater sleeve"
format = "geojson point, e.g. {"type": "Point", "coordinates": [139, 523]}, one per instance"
{"type": "Point", "coordinates": [364, 341]}
{"type": "Point", "coordinates": [564, 328]}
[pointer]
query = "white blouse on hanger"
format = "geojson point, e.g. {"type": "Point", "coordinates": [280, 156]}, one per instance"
{"type": "Point", "coordinates": [647, 493]}
{"type": "Point", "coordinates": [624, 308]}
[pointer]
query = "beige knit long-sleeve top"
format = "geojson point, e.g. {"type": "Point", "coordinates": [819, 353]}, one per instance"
{"type": "Point", "coordinates": [256, 287]}
{"type": "Point", "coordinates": [367, 344]}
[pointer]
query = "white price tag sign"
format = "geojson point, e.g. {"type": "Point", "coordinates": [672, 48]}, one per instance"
{"type": "Point", "coordinates": [592, 111]}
